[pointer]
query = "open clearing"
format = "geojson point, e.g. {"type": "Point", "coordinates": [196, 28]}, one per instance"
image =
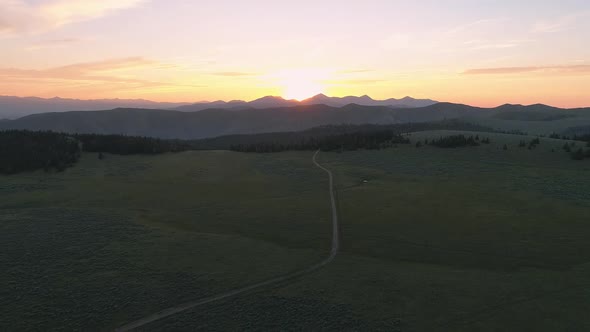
{"type": "Point", "coordinates": [469, 239]}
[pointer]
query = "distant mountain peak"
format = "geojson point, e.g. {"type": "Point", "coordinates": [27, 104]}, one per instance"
{"type": "Point", "coordinates": [319, 98]}
{"type": "Point", "coordinates": [269, 98]}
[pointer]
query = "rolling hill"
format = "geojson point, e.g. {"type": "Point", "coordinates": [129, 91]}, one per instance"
{"type": "Point", "coordinates": [15, 107]}
{"type": "Point", "coordinates": [274, 102]}
{"type": "Point", "coordinates": [218, 122]}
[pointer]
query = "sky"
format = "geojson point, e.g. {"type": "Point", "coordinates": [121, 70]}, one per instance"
{"type": "Point", "coordinates": [483, 53]}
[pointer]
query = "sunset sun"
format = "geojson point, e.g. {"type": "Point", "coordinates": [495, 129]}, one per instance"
{"type": "Point", "coordinates": [301, 89]}
{"type": "Point", "coordinates": [300, 84]}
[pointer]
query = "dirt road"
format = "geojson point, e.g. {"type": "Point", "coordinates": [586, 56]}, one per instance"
{"type": "Point", "coordinates": [257, 286]}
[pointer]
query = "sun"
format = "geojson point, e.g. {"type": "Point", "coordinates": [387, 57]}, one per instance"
{"type": "Point", "coordinates": [300, 84]}
{"type": "Point", "coordinates": [301, 89]}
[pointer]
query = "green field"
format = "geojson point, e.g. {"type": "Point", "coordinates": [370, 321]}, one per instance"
{"type": "Point", "coordinates": [466, 239]}
{"type": "Point", "coordinates": [110, 241]}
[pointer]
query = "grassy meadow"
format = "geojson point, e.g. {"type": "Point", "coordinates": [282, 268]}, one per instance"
{"type": "Point", "coordinates": [466, 239]}
{"type": "Point", "coordinates": [110, 241]}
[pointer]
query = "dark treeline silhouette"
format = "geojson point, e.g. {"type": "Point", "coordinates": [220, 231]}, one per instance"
{"type": "Point", "coordinates": [370, 140]}
{"type": "Point", "coordinates": [575, 137]}
{"type": "Point", "coordinates": [124, 145]}
{"type": "Point", "coordinates": [585, 138]}
{"type": "Point", "coordinates": [22, 151]}
{"type": "Point", "coordinates": [577, 153]}
{"type": "Point", "coordinates": [533, 143]}
{"type": "Point", "coordinates": [455, 141]}
{"type": "Point", "coordinates": [333, 137]}
{"type": "Point", "coordinates": [512, 132]}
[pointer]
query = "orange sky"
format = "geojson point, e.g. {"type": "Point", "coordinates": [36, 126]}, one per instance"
{"type": "Point", "coordinates": [486, 53]}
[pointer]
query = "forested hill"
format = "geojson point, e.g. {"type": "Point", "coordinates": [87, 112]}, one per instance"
{"type": "Point", "coordinates": [217, 122]}
{"type": "Point", "coordinates": [22, 150]}
{"type": "Point", "coordinates": [328, 137]}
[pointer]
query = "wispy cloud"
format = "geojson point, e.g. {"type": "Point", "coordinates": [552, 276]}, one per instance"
{"type": "Point", "coordinates": [52, 43]}
{"type": "Point", "coordinates": [358, 81]}
{"type": "Point", "coordinates": [483, 45]}
{"type": "Point", "coordinates": [474, 25]}
{"type": "Point", "coordinates": [560, 23]}
{"type": "Point", "coordinates": [567, 69]}
{"type": "Point", "coordinates": [106, 65]}
{"type": "Point", "coordinates": [233, 74]}
{"type": "Point", "coordinates": [19, 16]}
{"type": "Point", "coordinates": [99, 72]}
{"type": "Point", "coordinates": [356, 71]}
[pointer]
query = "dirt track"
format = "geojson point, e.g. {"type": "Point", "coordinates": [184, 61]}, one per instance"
{"type": "Point", "coordinates": [274, 281]}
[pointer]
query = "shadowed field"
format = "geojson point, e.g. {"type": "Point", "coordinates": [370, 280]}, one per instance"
{"type": "Point", "coordinates": [110, 241]}
{"type": "Point", "coordinates": [465, 239]}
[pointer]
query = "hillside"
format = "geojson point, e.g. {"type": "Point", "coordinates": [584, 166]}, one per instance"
{"type": "Point", "coordinates": [274, 102]}
{"type": "Point", "coordinates": [218, 122]}
{"type": "Point", "coordinates": [16, 107]}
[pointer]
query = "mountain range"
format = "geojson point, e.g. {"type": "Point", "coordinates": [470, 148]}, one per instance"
{"type": "Point", "coordinates": [274, 102]}
{"type": "Point", "coordinates": [15, 107]}
{"type": "Point", "coordinates": [218, 122]}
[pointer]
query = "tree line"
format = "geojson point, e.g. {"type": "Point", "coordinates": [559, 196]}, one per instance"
{"type": "Point", "coordinates": [575, 137]}
{"type": "Point", "coordinates": [125, 145]}
{"type": "Point", "coordinates": [576, 152]}
{"type": "Point", "coordinates": [455, 141]}
{"type": "Point", "coordinates": [339, 142]}
{"type": "Point", "coordinates": [332, 137]}
{"type": "Point", "coordinates": [22, 151]}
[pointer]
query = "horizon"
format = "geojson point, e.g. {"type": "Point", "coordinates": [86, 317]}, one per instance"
{"type": "Point", "coordinates": [219, 50]}
{"type": "Point", "coordinates": [281, 97]}
{"type": "Point", "coordinates": [293, 100]}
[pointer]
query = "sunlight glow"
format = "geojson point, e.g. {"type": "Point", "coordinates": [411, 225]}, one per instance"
{"type": "Point", "coordinates": [300, 84]}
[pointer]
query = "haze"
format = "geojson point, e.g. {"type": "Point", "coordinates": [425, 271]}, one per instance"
{"type": "Point", "coordinates": [483, 53]}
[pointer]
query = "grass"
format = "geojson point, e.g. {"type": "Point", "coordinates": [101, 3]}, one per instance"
{"type": "Point", "coordinates": [107, 242]}
{"type": "Point", "coordinates": [533, 127]}
{"type": "Point", "coordinates": [466, 239]}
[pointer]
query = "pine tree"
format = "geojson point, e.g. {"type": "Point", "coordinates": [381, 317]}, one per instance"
{"type": "Point", "coordinates": [578, 155]}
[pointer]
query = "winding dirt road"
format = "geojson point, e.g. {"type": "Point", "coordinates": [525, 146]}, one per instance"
{"type": "Point", "coordinates": [277, 280]}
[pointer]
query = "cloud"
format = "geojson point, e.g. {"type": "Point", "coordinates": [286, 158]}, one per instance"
{"type": "Point", "coordinates": [19, 16]}
{"type": "Point", "coordinates": [491, 46]}
{"type": "Point", "coordinates": [52, 43]}
{"type": "Point", "coordinates": [560, 23]}
{"type": "Point", "coordinates": [356, 71]}
{"type": "Point", "coordinates": [567, 69]}
{"type": "Point", "coordinates": [233, 74]}
{"type": "Point", "coordinates": [474, 25]}
{"type": "Point", "coordinates": [106, 65]}
{"type": "Point", "coordinates": [98, 72]}
{"type": "Point", "coordinates": [359, 81]}
{"type": "Point", "coordinates": [68, 11]}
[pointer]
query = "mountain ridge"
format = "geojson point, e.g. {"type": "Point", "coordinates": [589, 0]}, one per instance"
{"type": "Point", "coordinates": [275, 101]}
{"type": "Point", "coordinates": [217, 122]}
{"type": "Point", "coordinates": [13, 107]}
